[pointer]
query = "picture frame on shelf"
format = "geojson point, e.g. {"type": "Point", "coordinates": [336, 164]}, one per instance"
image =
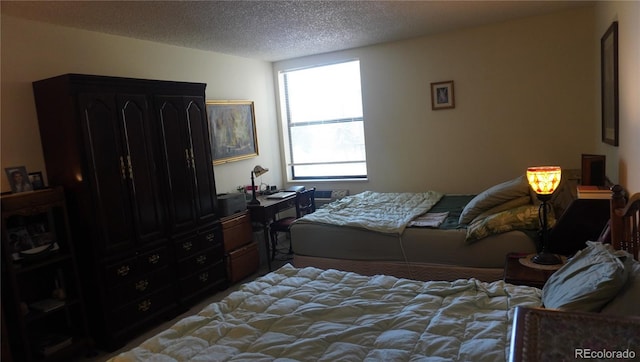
{"type": "Point", "coordinates": [609, 84]}
{"type": "Point", "coordinates": [37, 181]}
{"type": "Point", "coordinates": [442, 95]}
{"type": "Point", "coordinates": [232, 125]}
{"type": "Point", "coordinates": [18, 179]}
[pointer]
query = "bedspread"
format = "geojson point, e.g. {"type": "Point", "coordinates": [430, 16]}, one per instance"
{"type": "Point", "coordinates": [387, 212]}
{"type": "Point", "coordinates": [311, 314]}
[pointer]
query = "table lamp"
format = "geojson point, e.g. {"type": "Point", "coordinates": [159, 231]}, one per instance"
{"type": "Point", "coordinates": [544, 180]}
{"type": "Point", "coordinates": [256, 172]}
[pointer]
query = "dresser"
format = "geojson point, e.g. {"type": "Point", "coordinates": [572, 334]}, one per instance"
{"type": "Point", "coordinates": [134, 158]}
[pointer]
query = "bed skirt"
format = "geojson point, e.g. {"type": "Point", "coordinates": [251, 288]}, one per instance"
{"type": "Point", "coordinates": [416, 271]}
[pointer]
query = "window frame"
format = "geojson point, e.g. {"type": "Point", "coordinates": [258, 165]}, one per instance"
{"type": "Point", "coordinates": [287, 126]}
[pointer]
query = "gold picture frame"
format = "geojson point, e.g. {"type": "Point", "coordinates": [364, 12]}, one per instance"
{"type": "Point", "coordinates": [442, 96]}
{"type": "Point", "coordinates": [232, 125]}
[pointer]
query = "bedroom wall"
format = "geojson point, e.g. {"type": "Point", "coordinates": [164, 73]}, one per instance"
{"type": "Point", "coordinates": [34, 50]}
{"type": "Point", "coordinates": [623, 162]}
{"type": "Point", "coordinates": [523, 92]}
{"type": "Point", "coordinates": [518, 85]}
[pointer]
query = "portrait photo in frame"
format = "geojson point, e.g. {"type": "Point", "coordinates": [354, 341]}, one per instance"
{"type": "Point", "coordinates": [36, 179]}
{"type": "Point", "coordinates": [18, 179]}
{"type": "Point", "coordinates": [442, 96]}
{"type": "Point", "coordinates": [609, 84]}
{"type": "Point", "coordinates": [232, 126]}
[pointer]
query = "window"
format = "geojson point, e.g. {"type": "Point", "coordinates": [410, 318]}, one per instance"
{"type": "Point", "coordinates": [322, 117]}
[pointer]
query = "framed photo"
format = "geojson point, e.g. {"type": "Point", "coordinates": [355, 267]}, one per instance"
{"type": "Point", "coordinates": [232, 125]}
{"type": "Point", "coordinates": [37, 182]}
{"type": "Point", "coordinates": [442, 96]}
{"type": "Point", "coordinates": [609, 84]}
{"type": "Point", "coordinates": [18, 179]}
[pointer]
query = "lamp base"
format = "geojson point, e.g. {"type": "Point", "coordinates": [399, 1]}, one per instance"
{"type": "Point", "coordinates": [254, 201]}
{"type": "Point", "coordinates": [546, 258]}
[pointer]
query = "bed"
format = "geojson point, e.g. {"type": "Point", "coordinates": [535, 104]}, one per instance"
{"type": "Point", "coordinates": [471, 241]}
{"type": "Point", "coordinates": [311, 314]}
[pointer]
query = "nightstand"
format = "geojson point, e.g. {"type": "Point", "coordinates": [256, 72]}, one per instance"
{"type": "Point", "coordinates": [516, 273]}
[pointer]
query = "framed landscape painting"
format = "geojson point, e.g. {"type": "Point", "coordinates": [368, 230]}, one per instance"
{"type": "Point", "coordinates": [232, 126]}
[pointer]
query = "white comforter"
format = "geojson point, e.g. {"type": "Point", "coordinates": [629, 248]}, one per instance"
{"type": "Point", "coordinates": [315, 315]}
{"type": "Point", "coordinates": [386, 212]}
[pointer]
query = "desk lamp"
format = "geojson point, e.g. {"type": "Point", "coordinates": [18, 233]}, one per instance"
{"type": "Point", "coordinates": [256, 172]}
{"type": "Point", "coordinates": [544, 181]}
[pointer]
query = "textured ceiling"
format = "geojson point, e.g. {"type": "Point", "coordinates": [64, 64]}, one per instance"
{"type": "Point", "coordinates": [276, 30]}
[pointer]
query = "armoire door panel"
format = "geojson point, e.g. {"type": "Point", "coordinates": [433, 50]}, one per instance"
{"type": "Point", "coordinates": [106, 169]}
{"type": "Point", "coordinates": [203, 167]}
{"type": "Point", "coordinates": [141, 168]}
{"type": "Point", "coordinates": [177, 156]}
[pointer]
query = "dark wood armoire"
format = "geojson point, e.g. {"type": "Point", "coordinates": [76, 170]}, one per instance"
{"type": "Point", "coordinates": [134, 158]}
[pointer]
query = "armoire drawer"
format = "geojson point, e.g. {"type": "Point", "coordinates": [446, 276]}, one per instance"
{"type": "Point", "coordinates": [203, 280]}
{"type": "Point", "coordinates": [142, 308]}
{"type": "Point", "coordinates": [199, 261]}
{"type": "Point", "coordinates": [188, 247]}
{"type": "Point", "coordinates": [130, 268]}
{"type": "Point", "coordinates": [139, 287]}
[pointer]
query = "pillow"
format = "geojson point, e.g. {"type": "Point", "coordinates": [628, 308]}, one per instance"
{"type": "Point", "coordinates": [587, 282]}
{"type": "Point", "coordinates": [494, 196]}
{"type": "Point", "coordinates": [626, 302]}
{"type": "Point", "coordinates": [511, 204]}
{"type": "Point", "coordinates": [519, 218]}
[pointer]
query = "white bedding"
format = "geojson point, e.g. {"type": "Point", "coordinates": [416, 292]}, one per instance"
{"type": "Point", "coordinates": [311, 314]}
{"type": "Point", "coordinates": [387, 212]}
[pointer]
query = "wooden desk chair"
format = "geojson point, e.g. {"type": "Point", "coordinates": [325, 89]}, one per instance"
{"type": "Point", "coordinates": [305, 204]}
{"type": "Point", "coordinates": [625, 221]}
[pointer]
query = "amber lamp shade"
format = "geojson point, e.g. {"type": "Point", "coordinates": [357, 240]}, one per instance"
{"type": "Point", "coordinates": [544, 180]}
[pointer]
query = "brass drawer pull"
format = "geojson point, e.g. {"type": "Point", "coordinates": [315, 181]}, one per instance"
{"type": "Point", "coordinates": [211, 237]}
{"type": "Point", "coordinates": [142, 285]}
{"type": "Point", "coordinates": [144, 305]}
{"type": "Point", "coordinates": [123, 270]}
{"type": "Point", "coordinates": [204, 277]}
{"type": "Point", "coordinates": [153, 259]}
{"type": "Point", "coordinates": [201, 259]}
{"type": "Point", "coordinates": [187, 246]}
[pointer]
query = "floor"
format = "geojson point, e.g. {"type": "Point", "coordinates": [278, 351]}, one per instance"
{"type": "Point", "coordinates": [282, 258]}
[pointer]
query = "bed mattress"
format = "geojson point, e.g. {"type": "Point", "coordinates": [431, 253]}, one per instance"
{"type": "Point", "coordinates": [421, 245]}
{"type": "Point", "coordinates": [311, 314]}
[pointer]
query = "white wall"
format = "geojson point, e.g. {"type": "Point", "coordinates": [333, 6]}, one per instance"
{"type": "Point", "coordinates": [623, 162]}
{"type": "Point", "coordinates": [523, 94]}
{"type": "Point", "coordinates": [527, 93]}
{"type": "Point", "coordinates": [33, 50]}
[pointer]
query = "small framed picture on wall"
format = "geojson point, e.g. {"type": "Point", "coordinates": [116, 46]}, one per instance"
{"type": "Point", "coordinates": [442, 96]}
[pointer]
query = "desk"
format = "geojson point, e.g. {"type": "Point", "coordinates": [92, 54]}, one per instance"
{"type": "Point", "coordinates": [265, 214]}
